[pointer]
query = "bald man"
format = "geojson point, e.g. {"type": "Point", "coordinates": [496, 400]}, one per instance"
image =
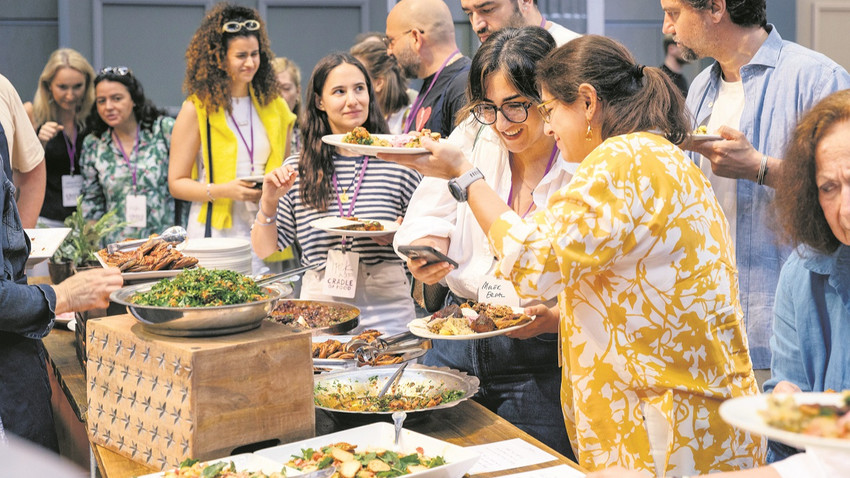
{"type": "Point", "coordinates": [489, 16]}
{"type": "Point", "coordinates": [421, 36]}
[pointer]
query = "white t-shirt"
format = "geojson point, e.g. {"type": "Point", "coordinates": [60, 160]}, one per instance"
{"type": "Point", "coordinates": [24, 147]}
{"type": "Point", "coordinates": [560, 33]}
{"type": "Point", "coordinates": [727, 111]}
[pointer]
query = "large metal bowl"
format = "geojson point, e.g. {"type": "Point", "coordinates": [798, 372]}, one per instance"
{"type": "Point", "coordinates": [199, 321]}
{"type": "Point", "coordinates": [415, 380]}
{"type": "Point", "coordinates": [351, 321]}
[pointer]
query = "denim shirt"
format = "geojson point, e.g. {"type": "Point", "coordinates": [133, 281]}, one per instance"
{"type": "Point", "coordinates": [811, 327]}
{"type": "Point", "coordinates": [781, 82]}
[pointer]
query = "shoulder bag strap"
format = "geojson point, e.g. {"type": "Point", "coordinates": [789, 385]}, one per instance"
{"type": "Point", "coordinates": [208, 225]}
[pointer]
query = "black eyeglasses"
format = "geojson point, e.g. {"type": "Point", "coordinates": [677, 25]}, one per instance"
{"type": "Point", "coordinates": [513, 111]}
{"type": "Point", "coordinates": [115, 70]}
{"type": "Point", "coordinates": [389, 41]}
{"type": "Point", "coordinates": [235, 27]}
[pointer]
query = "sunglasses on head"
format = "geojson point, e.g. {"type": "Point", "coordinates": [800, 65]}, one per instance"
{"type": "Point", "coordinates": [115, 70]}
{"type": "Point", "coordinates": [235, 27]}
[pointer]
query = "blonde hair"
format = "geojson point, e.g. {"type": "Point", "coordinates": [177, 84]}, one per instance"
{"type": "Point", "coordinates": [43, 106]}
{"type": "Point", "coordinates": [281, 64]}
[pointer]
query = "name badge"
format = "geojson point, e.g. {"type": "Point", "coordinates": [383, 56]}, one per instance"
{"type": "Point", "coordinates": [498, 291]}
{"type": "Point", "coordinates": [341, 274]}
{"type": "Point", "coordinates": [136, 210]}
{"type": "Point", "coordinates": [72, 186]}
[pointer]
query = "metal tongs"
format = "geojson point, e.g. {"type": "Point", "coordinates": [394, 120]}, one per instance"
{"type": "Point", "coordinates": [394, 378]}
{"type": "Point", "coordinates": [172, 235]}
{"type": "Point", "coordinates": [288, 274]}
{"type": "Point", "coordinates": [367, 352]}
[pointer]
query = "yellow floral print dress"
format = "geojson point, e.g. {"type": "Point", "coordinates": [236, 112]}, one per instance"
{"type": "Point", "coordinates": [650, 320]}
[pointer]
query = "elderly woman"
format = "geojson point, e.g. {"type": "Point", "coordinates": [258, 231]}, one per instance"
{"type": "Point", "coordinates": [651, 328]}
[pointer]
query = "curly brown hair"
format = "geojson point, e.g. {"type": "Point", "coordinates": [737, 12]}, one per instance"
{"type": "Point", "coordinates": [206, 58]}
{"type": "Point", "coordinates": [798, 208]}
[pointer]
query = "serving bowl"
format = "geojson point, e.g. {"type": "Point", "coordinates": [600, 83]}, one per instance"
{"type": "Point", "coordinates": [349, 320]}
{"type": "Point", "coordinates": [199, 321]}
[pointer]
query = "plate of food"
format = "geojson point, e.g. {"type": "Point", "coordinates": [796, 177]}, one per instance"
{"type": "Point", "coordinates": [470, 321]}
{"type": "Point", "coordinates": [151, 260]}
{"type": "Point", "coordinates": [44, 242]}
{"type": "Point", "coordinates": [372, 446]}
{"type": "Point", "coordinates": [355, 226]}
{"type": "Point", "coordinates": [701, 134]}
{"type": "Point", "coordinates": [320, 316]}
{"type": "Point", "coordinates": [807, 419]}
{"type": "Point", "coordinates": [236, 466]}
{"type": "Point", "coordinates": [347, 351]}
{"type": "Point", "coordinates": [362, 142]}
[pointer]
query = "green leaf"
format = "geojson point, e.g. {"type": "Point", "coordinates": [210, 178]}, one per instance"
{"type": "Point", "coordinates": [188, 462]}
{"type": "Point", "coordinates": [212, 470]}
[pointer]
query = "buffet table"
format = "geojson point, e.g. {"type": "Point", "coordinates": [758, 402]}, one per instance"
{"type": "Point", "coordinates": [466, 424]}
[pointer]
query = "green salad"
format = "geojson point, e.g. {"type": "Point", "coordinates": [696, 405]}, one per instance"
{"type": "Point", "coordinates": [201, 288]}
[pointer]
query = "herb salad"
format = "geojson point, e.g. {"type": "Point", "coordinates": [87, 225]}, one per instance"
{"type": "Point", "coordinates": [201, 288]}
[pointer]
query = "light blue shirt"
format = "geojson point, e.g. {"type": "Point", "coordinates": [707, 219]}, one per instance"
{"type": "Point", "coordinates": [781, 82]}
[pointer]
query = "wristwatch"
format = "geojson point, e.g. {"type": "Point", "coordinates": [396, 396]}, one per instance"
{"type": "Point", "coordinates": [459, 185]}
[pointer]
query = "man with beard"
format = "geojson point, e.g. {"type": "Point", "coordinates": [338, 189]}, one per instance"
{"type": "Point", "coordinates": [752, 96]}
{"type": "Point", "coordinates": [673, 63]}
{"type": "Point", "coordinates": [421, 36]}
{"type": "Point", "coordinates": [489, 16]}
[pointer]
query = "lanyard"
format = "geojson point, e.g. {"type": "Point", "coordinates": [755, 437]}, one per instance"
{"type": "Point", "coordinates": [420, 98]}
{"type": "Point", "coordinates": [71, 148]}
{"type": "Point", "coordinates": [353, 197]}
{"type": "Point", "coordinates": [130, 166]}
{"type": "Point", "coordinates": [239, 130]}
{"type": "Point", "coordinates": [543, 22]}
{"type": "Point", "coordinates": [548, 167]}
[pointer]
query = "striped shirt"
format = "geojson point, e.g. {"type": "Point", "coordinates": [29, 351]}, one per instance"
{"type": "Point", "coordinates": [384, 194]}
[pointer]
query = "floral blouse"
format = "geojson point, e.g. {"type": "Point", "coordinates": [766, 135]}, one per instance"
{"type": "Point", "coordinates": [651, 327]}
{"type": "Point", "coordinates": [107, 179]}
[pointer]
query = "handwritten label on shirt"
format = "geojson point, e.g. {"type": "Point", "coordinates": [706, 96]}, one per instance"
{"type": "Point", "coordinates": [136, 210]}
{"type": "Point", "coordinates": [341, 274]}
{"type": "Point", "coordinates": [498, 291]}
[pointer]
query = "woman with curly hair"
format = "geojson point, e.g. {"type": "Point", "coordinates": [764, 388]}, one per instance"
{"type": "Point", "coordinates": [333, 182]}
{"type": "Point", "coordinates": [125, 157]}
{"type": "Point", "coordinates": [235, 116]}
{"type": "Point", "coordinates": [58, 113]}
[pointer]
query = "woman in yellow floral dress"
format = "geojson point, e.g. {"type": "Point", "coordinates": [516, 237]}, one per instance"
{"type": "Point", "coordinates": [651, 329]}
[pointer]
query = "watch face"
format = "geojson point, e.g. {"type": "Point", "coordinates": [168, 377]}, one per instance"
{"type": "Point", "coordinates": [456, 191]}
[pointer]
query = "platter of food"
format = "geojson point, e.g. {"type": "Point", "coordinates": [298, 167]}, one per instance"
{"type": "Point", "coordinates": [346, 351]}
{"type": "Point", "coordinates": [347, 394]}
{"type": "Point", "coordinates": [362, 142]}
{"type": "Point", "coordinates": [416, 455]}
{"type": "Point", "coordinates": [199, 302]}
{"type": "Point", "coordinates": [801, 419]}
{"type": "Point", "coordinates": [150, 260]}
{"type": "Point", "coordinates": [355, 227]}
{"type": "Point", "coordinates": [322, 317]}
{"type": "Point", "coordinates": [44, 242]}
{"type": "Point", "coordinates": [236, 466]}
{"type": "Point", "coordinates": [470, 321]}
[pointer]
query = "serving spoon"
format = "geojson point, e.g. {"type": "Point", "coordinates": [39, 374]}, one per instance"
{"type": "Point", "coordinates": [172, 235]}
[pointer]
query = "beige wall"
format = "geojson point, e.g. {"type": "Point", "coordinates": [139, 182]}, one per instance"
{"type": "Point", "coordinates": [821, 26]}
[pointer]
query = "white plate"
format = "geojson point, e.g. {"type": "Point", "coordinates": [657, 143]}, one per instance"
{"type": "Point", "coordinates": [705, 137]}
{"type": "Point", "coordinates": [336, 140]}
{"type": "Point", "coordinates": [458, 459]}
{"type": "Point", "coordinates": [419, 327]}
{"type": "Point", "coordinates": [743, 412]}
{"type": "Point", "coordinates": [44, 243]}
{"type": "Point", "coordinates": [208, 245]}
{"type": "Point", "coordinates": [145, 275]}
{"type": "Point", "coordinates": [243, 462]}
{"type": "Point", "coordinates": [252, 179]}
{"type": "Point", "coordinates": [331, 224]}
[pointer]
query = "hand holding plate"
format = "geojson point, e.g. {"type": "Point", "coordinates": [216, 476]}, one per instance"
{"type": "Point", "coordinates": [446, 161]}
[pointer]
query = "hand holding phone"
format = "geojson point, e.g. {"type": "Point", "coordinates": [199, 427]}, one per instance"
{"type": "Point", "coordinates": [430, 254]}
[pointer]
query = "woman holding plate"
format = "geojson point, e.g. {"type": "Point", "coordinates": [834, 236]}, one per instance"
{"type": "Point", "coordinates": [234, 116]}
{"type": "Point", "coordinates": [326, 181]}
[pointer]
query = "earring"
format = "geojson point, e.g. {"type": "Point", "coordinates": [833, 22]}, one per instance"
{"type": "Point", "coordinates": [588, 136]}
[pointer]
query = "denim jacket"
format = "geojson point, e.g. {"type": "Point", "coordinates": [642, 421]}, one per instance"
{"type": "Point", "coordinates": [781, 82]}
{"type": "Point", "coordinates": [811, 326]}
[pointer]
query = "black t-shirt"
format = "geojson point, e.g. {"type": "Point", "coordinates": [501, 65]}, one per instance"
{"type": "Point", "coordinates": [58, 163]}
{"type": "Point", "coordinates": [447, 96]}
{"type": "Point", "coordinates": [678, 79]}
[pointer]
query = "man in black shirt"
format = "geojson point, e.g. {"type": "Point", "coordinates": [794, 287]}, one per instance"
{"type": "Point", "coordinates": [673, 63]}
{"type": "Point", "coordinates": [420, 35]}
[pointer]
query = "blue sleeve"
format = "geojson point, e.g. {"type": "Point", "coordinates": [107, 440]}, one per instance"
{"type": "Point", "coordinates": [787, 362]}
{"type": "Point", "coordinates": [29, 309]}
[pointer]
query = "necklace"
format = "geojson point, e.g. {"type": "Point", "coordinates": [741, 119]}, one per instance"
{"type": "Point", "coordinates": [344, 196]}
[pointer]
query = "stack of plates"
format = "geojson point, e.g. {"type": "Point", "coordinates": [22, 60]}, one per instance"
{"type": "Point", "coordinates": [221, 253]}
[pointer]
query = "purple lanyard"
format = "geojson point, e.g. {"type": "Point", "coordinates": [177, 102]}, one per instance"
{"type": "Point", "coordinates": [239, 130]}
{"type": "Point", "coordinates": [421, 98]}
{"type": "Point", "coordinates": [543, 22]}
{"type": "Point", "coordinates": [117, 142]}
{"type": "Point", "coordinates": [548, 167]}
{"type": "Point", "coordinates": [71, 148]}
{"type": "Point", "coordinates": [354, 196]}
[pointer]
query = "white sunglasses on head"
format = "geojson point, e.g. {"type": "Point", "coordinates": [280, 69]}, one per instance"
{"type": "Point", "coordinates": [235, 27]}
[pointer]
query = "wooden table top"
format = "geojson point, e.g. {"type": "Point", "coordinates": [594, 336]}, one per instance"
{"type": "Point", "coordinates": [466, 424]}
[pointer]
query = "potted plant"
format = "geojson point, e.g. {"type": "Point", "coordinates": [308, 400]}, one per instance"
{"type": "Point", "coordinates": [82, 243]}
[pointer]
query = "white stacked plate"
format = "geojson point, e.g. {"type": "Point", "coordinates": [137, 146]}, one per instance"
{"type": "Point", "coordinates": [221, 253]}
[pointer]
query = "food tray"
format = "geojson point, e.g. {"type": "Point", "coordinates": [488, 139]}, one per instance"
{"type": "Point", "coordinates": [338, 364]}
{"type": "Point", "coordinates": [44, 242]}
{"type": "Point", "coordinates": [144, 275]}
{"type": "Point", "coordinates": [338, 328]}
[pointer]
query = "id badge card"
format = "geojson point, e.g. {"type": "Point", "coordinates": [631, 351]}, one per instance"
{"type": "Point", "coordinates": [72, 186]}
{"type": "Point", "coordinates": [136, 210]}
{"type": "Point", "coordinates": [341, 273]}
{"type": "Point", "coordinates": [498, 291]}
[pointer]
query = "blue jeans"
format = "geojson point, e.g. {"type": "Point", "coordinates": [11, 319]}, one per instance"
{"type": "Point", "coordinates": [520, 380]}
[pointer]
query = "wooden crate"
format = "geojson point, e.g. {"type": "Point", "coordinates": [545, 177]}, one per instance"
{"type": "Point", "coordinates": [158, 400]}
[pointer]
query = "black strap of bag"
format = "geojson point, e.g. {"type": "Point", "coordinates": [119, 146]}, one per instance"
{"type": "Point", "coordinates": [208, 225]}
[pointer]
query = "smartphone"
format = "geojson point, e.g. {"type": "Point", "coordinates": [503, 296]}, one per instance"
{"type": "Point", "coordinates": [426, 252]}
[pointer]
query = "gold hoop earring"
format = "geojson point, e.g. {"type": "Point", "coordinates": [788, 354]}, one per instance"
{"type": "Point", "coordinates": [588, 136]}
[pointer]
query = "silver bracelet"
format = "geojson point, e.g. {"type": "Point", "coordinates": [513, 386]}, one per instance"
{"type": "Point", "coordinates": [762, 170]}
{"type": "Point", "coordinates": [265, 221]}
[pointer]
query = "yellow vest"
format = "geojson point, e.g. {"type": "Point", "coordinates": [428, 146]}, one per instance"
{"type": "Point", "coordinates": [276, 119]}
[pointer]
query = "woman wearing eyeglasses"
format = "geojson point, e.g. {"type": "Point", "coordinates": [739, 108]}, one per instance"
{"type": "Point", "coordinates": [234, 116]}
{"type": "Point", "coordinates": [125, 157]}
{"type": "Point", "coordinates": [62, 103]}
{"type": "Point", "coordinates": [520, 379]}
{"type": "Point", "coordinates": [651, 329]}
